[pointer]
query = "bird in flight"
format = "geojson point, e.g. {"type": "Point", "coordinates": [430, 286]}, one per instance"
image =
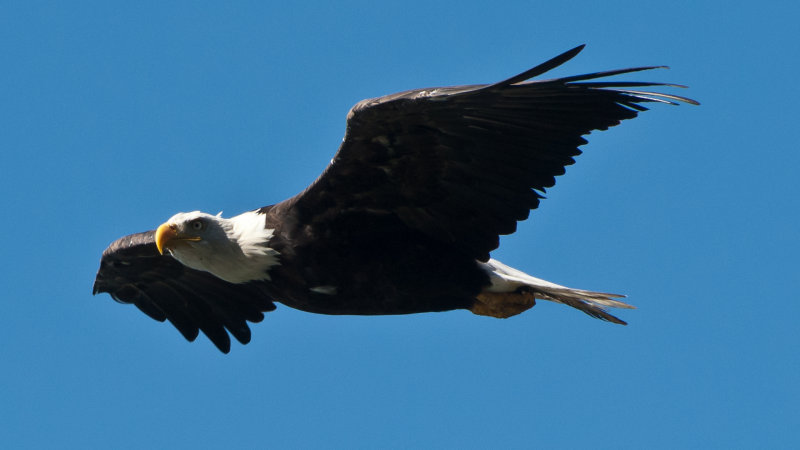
{"type": "Point", "coordinates": [402, 221]}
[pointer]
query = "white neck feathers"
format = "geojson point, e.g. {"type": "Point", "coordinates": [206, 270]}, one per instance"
{"type": "Point", "coordinates": [255, 257]}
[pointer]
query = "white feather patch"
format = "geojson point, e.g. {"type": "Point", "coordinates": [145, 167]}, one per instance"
{"type": "Point", "coordinates": [249, 232]}
{"type": "Point", "coordinates": [326, 290]}
{"type": "Point", "coordinates": [507, 279]}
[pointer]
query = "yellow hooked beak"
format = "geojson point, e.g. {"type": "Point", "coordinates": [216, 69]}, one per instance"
{"type": "Point", "coordinates": [167, 234]}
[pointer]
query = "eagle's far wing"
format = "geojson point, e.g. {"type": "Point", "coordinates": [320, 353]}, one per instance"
{"type": "Point", "coordinates": [465, 163]}
{"type": "Point", "coordinates": [133, 271]}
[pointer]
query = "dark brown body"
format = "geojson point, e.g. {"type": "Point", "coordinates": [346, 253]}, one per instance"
{"type": "Point", "coordinates": [368, 265]}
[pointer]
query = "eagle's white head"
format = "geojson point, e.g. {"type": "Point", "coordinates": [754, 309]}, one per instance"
{"type": "Point", "coordinates": [235, 250]}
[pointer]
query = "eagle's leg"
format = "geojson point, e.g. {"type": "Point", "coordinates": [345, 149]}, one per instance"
{"type": "Point", "coordinates": [503, 304]}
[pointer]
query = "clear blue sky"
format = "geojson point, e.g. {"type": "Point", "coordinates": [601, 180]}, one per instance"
{"type": "Point", "coordinates": [115, 115]}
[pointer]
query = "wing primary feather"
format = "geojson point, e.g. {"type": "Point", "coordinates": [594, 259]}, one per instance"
{"type": "Point", "coordinates": [648, 96]}
{"type": "Point", "coordinates": [606, 73]}
{"type": "Point", "coordinates": [538, 70]}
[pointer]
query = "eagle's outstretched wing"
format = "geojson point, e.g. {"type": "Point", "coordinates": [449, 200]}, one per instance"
{"type": "Point", "coordinates": [465, 163]}
{"type": "Point", "coordinates": [133, 271]}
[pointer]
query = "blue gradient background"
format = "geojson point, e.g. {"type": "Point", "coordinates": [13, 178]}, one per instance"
{"type": "Point", "coordinates": [114, 116]}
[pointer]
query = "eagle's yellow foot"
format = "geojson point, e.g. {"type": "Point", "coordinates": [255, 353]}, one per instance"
{"type": "Point", "coordinates": [502, 304]}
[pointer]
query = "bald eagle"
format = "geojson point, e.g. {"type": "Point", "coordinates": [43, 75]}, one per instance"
{"type": "Point", "coordinates": [402, 221]}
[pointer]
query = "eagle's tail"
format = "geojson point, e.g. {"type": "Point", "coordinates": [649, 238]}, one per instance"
{"type": "Point", "coordinates": [513, 291]}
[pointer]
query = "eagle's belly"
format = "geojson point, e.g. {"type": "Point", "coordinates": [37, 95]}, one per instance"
{"type": "Point", "coordinates": [390, 275]}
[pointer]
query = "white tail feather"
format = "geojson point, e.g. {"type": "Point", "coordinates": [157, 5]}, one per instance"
{"type": "Point", "coordinates": [508, 279]}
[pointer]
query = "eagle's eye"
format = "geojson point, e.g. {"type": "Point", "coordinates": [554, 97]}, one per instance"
{"type": "Point", "coordinates": [197, 225]}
